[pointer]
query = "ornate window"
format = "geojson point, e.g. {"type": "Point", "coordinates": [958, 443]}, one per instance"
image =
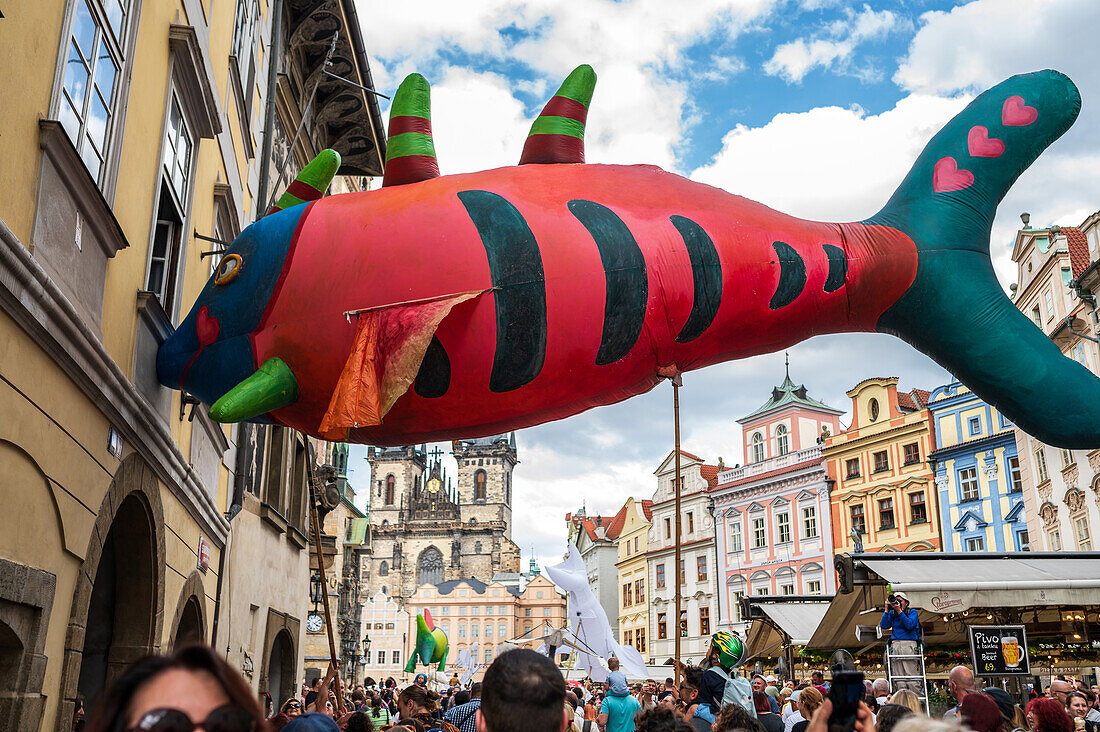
{"type": "Point", "coordinates": [757, 448]}
{"type": "Point", "coordinates": [782, 440]}
{"type": "Point", "coordinates": [383, 569]}
{"type": "Point", "coordinates": [390, 482]}
{"type": "Point", "coordinates": [479, 485]}
{"type": "Point", "coordinates": [429, 568]}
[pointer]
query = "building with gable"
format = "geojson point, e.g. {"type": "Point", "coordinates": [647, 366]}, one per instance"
{"type": "Point", "coordinates": [1057, 287]}
{"type": "Point", "coordinates": [883, 489]}
{"type": "Point", "coordinates": [596, 538]}
{"type": "Point", "coordinates": [699, 605]}
{"type": "Point", "coordinates": [772, 514]}
{"type": "Point", "coordinates": [426, 529]}
{"type": "Point", "coordinates": [979, 485]}
{"type": "Point", "coordinates": [632, 571]}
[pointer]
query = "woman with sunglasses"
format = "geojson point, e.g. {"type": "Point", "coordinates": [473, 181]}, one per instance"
{"type": "Point", "coordinates": [176, 693]}
{"type": "Point", "coordinates": [291, 708]}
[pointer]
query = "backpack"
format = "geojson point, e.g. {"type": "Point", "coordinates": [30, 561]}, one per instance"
{"type": "Point", "coordinates": [738, 690]}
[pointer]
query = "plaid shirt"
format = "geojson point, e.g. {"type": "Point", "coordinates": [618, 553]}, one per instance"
{"type": "Point", "coordinates": [464, 716]}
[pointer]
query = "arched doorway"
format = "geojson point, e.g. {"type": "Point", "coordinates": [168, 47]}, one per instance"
{"type": "Point", "coordinates": [122, 605]}
{"type": "Point", "coordinates": [429, 567]}
{"type": "Point", "coordinates": [11, 657]}
{"type": "Point", "coordinates": [190, 629]}
{"type": "Point", "coordinates": [280, 669]}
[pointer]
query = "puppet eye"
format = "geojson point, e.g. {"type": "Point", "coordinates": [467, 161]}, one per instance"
{"type": "Point", "coordinates": [228, 269]}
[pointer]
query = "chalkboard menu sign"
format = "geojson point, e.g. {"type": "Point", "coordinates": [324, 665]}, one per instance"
{"type": "Point", "coordinates": [999, 650]}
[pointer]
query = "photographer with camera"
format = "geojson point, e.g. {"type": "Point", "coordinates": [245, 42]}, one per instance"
{"type": "Point", "coordinates": [905, 637]}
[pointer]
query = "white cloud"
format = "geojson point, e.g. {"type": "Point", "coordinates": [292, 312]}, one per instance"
{"type": "Point", "coordinates": [793, 60]}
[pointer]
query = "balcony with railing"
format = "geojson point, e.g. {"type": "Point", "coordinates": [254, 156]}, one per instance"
{"type": "Point", "coordinates": [767, 466]}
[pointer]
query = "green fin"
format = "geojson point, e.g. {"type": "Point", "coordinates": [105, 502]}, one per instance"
{"type": "Point", "coordinates": [311, 183]}
{"type": "Point", "coordinates": [271, 387]}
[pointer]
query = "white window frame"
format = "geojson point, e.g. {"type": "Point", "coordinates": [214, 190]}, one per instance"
{"type": "Point", "coordinates": [759, 533]}
{"type": "Point", "coordinates": [782, 440]}
{"type": "Point", "coordinates": [809, 522]}
{"type": "Point", "coordinates": [975, 544]}
{"type": "Point", "coordinates": [757, 447]}
{"type": "Point", "coordinates": [969, 488]}
{"type": "Point", "coordinates": [1041, 465]}
{"type": "Point", "coordinates": [813, 587]}
{"type": "Point", "coordinates": [783, 528]}
{"type": "Point", "coordinates": [1048, 300]}
{"type": "Point", "coordinates": [1082, 533]}
{"type": "Point", "coordinates": [1015, 476]}
{"type": "Point", "coordinates": [736, 538]}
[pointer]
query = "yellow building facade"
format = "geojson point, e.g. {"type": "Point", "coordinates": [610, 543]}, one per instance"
{"type": "Point", "coordinates": [883, 495]}
{"type": "Point", "coordinates": [633, 543]}
{"type": "Point", "coordinates": [130, 128]}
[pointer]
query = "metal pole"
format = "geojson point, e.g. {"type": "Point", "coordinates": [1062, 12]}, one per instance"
{"type": "Point", "coordinates": [676, 382]}
{"type": "Point", "coordinates": [315, 504]}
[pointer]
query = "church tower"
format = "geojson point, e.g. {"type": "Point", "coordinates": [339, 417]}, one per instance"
{"type": "Point", "coordinates": [485, 468]}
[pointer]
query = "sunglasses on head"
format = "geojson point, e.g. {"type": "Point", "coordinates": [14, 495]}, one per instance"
{"type": "Point", "coordinates": [226, 718]}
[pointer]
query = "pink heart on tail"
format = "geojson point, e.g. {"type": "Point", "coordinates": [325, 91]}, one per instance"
{"type": "Point", "coordinates": [947, 176]}
{"type": "Point", "coordinates": [1017, 114]}
{"type": "Point", "coordinates": [206, 328]}
{"type": "Point", "coordinates": [981, 145]}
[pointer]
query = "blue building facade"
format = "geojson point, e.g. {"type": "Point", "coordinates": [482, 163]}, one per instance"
{"type": "Point", "coordinates": [978, 482]}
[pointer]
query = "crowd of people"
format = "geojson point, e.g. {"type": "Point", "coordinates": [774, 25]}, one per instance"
{"type": "Point", "coordinates": [523, 691]}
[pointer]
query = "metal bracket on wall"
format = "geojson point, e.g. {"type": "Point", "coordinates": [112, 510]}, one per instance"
{"type": "Point", "coordinates": [186, 399]}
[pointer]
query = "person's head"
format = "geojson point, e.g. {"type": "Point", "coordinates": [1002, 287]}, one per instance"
{"type": "Point", "coordinates": [1003, 701]}
{"type": "Point", "coordinates": [420, 680]}
{"type": "Point", "coordinates": [669, 683]}
{"type": "Point", "coordinates": [959, 682]}
{"type": "Point", "coordinates": [734, 718]}
{"type": "Point", "coordinates": [415, 700]}
{"type": "Point", "coordinates": [898, 600]}
{"type": "Point", "coordinates": [772, 691]}
{"type": "Point", "coordinates": [523, 692]}
{"type": "Point", "coordinates": [880, 687]}
{"type": "Point", "coordinates": [760, 702]}
{"type": "Point", "coordinates": [908, 699]}
{"type": "Point", "coordinates": [980, 713]}
{"type": "Point", "coordinates": [358, 695]}
{"type": "Point", "coordinates": [315, 684]}
{"type": "Point", "coordinates": [808, 701]}
{"type": "Point", "coordinates": [461, 697]}
{"type": "Point", "coordinates": [660, 719]}
{"type": "Point", "coordinates": [758, 683]}
{"type": "Point", "coordinates": [572, 700]}
{"type": "Point", "coordinates": [921, 723]}
{"type": "Point", "coordinates": [192, 682]}
{"type": "Point", "coordinates": [613, 664]}
{"type": "Point", "coordinates": [291, 708]}
{"type": "Point", "coordinates": [889, 715]}
{"type": "Point", "coordinates": [1077, 704]}
{"type": "Point", "coordinates": [817, 678]}
{"type": "Point", "coordinates": [475, 690]}
{"type": "Point", "coordinates": [1048, 715]}
{"type": "Point", "coordinates": [1059, 691]}
{"type": "Point", "coordinates": [359, 722]}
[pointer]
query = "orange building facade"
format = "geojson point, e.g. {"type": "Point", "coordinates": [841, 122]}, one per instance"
{"type": "Point", "coordinates": [883, 496]}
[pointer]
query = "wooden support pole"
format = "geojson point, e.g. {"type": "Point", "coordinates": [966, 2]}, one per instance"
{"type": "Point", "coordinates": [676, 484]}
{"type": "Point", "coordinates": [315, 504]}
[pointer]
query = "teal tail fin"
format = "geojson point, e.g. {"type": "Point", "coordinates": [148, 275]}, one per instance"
{"type": "Point", "coordinates": [955, 311]}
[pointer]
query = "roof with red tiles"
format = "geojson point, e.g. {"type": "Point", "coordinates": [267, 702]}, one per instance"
{"type": "Point", "coordinates": [647, 509]}
{"type": "Point", "coordinates": [710, 474]}
{"type": "Point", "coordinates": [913, 400]}
{"type": "Point", "coordinates": [612, 525]}
{"type": "Point", "coordinates": [1078, 250]}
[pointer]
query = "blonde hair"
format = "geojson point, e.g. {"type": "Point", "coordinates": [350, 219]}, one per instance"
{"type": "Point", "coordinates": [921, 723]}
{"type": "Point", "coordinates": [906, 698]}
{"type": "Point", "coordinates": [810, 698]}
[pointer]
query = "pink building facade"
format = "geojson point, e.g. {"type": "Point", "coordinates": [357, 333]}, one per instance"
{"type": "Point", "coordinates": [772, 514]}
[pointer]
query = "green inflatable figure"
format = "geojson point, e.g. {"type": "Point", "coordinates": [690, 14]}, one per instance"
{"type": "Point", "coordinates": [431, 644]}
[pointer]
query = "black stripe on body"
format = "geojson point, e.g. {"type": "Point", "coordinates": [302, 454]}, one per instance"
{"type": "Point", "coordinates": [792, 276]}
{"type": "Point", "coordinates": [706, 276]}
{"type": "Point", "coordinates": [434, 377]}
{"type": "Point", "coordinates": [627, 291]}
{"type": "Point", "coordinates": [515, 265]}
{"type": "Point", "coordinates": [838, 267]}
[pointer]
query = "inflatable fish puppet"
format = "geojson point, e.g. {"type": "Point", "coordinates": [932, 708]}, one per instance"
{"type": "Point", "coordinates": [430, 645]}
{"type": "Point", "coordinates": [449, 307]}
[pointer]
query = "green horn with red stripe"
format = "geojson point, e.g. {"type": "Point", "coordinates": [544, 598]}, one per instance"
{"type": "Point", "coordinates": [311, 183]}
{"type": "Point", "coordinates": [410, 151]}
{"type": "Point", "coordinates": [557, 135]}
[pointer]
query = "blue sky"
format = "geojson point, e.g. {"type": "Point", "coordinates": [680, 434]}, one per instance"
{"type": "Point", "coordinates": [814, 107]}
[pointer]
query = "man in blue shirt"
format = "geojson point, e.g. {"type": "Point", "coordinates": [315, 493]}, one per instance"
{"type": "Point", "coordinates": [464, 715]}
{"type": "Point", "coordinates": [617, 713]}
{"type": "Point", "coordinates": [905, 636]}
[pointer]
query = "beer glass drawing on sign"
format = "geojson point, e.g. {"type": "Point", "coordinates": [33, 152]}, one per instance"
{"type": "Point", "coordinates": [1010, 649]}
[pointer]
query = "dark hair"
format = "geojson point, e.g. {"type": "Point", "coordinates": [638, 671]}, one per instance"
{"type": "Point", "coordinates": [660, 719]}
{"type": "Point", "coordinates": [669, 682]}
{"type": "Point", "coordinates": [889, 715]}
{"type": "Point", "coordinates": [524, 692]}
{"type": "Point", "coordinates": [110, 713]}
{"type": "Point", "coordinates": [760, 701]}
{"type": "Point", "coordinates": [359, 722]}
{"type": "Point", "coordinates": [461, 697]}
{"type": "Point", "coordinates": [475, 689]}
{"type": "Point", "coordinates": [694, 675]}
{"type": "Point", "coordinates": [420, 696]}
{"type": "Point", "coordinates": [735, 718]}
{"type": "Point", "coordinates": [358, 695]}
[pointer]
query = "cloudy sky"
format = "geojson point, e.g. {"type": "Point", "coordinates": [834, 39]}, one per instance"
{"type": "Point", "coordinates": [813, 107]}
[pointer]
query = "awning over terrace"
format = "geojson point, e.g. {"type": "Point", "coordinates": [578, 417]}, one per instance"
{"type": "Point", "coordinates": [951, 591]}
{"type": "Point", "coordinates": [776, 617]}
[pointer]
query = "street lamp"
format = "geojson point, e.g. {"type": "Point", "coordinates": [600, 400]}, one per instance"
{"type": "Point", "coordinates": [315, 589]}
{"type": "Point", "coordinates": [366, 645]}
